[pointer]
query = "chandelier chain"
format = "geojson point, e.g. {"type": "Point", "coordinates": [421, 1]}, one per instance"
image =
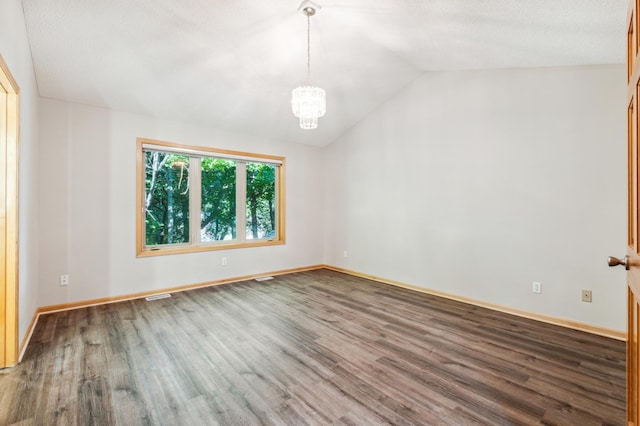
{"type": "Point", "coordinates": [308, 48]}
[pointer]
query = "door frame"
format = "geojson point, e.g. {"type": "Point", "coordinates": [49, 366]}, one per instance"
{"type": "Point", "coordinates": [9, 140]}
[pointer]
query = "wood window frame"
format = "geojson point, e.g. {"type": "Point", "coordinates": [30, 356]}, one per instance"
{"type": "Point", "coordinates": [145, 251]}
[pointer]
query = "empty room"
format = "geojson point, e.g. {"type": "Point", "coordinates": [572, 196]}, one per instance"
{"type": "Point", "coordinates": [319, 212]}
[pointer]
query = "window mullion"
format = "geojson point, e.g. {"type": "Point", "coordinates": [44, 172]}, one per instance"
{"type": "Point", "coordinates": [276, 201]}
{"type": "Point", "coordinates": [195, 204]}
{"type": "Point", "coordinates": [241, 201]}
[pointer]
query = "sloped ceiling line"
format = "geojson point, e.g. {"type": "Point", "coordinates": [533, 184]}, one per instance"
{"type": "Point", "coordinates": [232, 64]}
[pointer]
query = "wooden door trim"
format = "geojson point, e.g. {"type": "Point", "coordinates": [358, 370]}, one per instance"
{"type": "Point", "coordinates": [633, 230]}
{"type": "Point", "coordinates": [9, 141]}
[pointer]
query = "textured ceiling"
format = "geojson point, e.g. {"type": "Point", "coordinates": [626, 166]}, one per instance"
{"type": "Point", "coordinates": [232, 64]}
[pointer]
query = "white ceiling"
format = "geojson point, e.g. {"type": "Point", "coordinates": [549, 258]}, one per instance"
{"type": "Point", "coordinates": [232, 64]}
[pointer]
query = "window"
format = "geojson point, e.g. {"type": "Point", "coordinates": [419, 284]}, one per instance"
{"type": "Point", "coordinates": [195, 199]}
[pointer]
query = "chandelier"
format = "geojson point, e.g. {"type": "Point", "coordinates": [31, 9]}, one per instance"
{"type": "Point", "coordinates": [308, 102]}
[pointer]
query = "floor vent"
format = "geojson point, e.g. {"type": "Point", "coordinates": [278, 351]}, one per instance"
{"type": "Point", "coordinates": [157, 296]}
{"type": "Point", "coordinates": [264, 278]}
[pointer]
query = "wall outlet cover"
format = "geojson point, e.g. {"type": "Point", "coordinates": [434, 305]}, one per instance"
{"type": "Point", "coordinates": [536, 287]}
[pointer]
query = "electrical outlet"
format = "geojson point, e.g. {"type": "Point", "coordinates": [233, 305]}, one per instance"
{"type": "Point", "coordinates": [536, 287]}
{"type": "Point", "coordinates": [345, 254]}
{"type": "Point", "coordinates": [586, 296]}
{"type": "Point", "coordinates": [223, 261]}
{"type": "Point", "coordinates": [64, 280]}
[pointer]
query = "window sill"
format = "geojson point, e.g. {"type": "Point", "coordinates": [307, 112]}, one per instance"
{"type": "Point", "coordinates": [148, 252]}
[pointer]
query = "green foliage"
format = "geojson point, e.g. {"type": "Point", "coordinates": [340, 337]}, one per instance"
{"type": "Point", "coordinates": [261, 220]}
{"type": "Point", "coordinates": [166, 198]}
{"type": "Point", "coordinates": [218, 211]}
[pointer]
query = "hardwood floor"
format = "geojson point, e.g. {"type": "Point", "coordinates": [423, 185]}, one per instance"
{"type": "Point", "coordinates": [315, 347]}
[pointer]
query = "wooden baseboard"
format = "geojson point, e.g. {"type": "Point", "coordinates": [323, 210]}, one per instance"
{"type": "Point", "coordinates": [114, 299]}
{"type": "Point", "coordinates": [601, 331]}
{"type": "Point", "coordinates": [27, 336]}
{"type": "Point", "coordinates": [94, 302]}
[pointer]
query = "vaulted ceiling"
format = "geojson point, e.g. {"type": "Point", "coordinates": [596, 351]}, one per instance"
{"type": "Point", "coordinates": [232, 64]}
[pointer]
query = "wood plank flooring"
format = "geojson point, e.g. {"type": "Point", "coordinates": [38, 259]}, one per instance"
{"type": "Point", "coordinates": [315, 347]}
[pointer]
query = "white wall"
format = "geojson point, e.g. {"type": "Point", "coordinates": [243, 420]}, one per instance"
{"type": "Point", "coordinates": [87, 223]}
{"type": "Point", "coordinates": [472, 183]}
{"type": "Point", "coordinates": [14, 48]}
{"type": "Point", "coordinates": [478, 183]}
